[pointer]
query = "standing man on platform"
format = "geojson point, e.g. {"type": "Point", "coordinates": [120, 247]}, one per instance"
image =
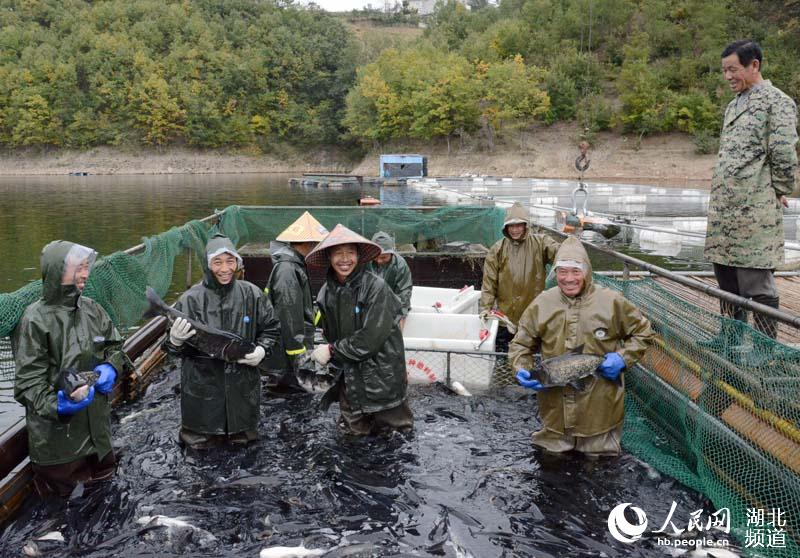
{"type": "Point", "coordinates": [514, 270]}
{"type": "Point", "coordinates": [755, 172]}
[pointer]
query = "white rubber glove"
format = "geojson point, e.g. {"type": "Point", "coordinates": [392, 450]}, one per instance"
{"type": "Point", "coordinates": [484, 315]}
{"type": "Point", "coordinates": [322, 354]}
{"type": "Point", "coordinates": [180, 331]}
{"type": "Point", "coordinates": [252, 359]}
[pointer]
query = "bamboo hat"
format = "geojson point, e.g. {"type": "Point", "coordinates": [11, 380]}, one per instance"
{"type": "Point", "coordinates": [305, 229]}
{"type": "Point", "coordinates": [367, 250]}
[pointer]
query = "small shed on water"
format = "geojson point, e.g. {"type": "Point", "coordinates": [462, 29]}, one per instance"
{"type": "Point", "coordinates": [403, 166]}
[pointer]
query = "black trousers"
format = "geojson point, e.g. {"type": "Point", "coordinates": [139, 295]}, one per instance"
{"type": "Point", "coordinates": [755, 284]}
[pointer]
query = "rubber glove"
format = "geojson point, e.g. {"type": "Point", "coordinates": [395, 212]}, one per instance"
{"type": "Point", "coordinates": [180, 331]}
{"type": "Point", "coordinates": [484, 315]}
{"type": "Point", "coordinates": [108, 375]}
{"type": "Point", "coordinates": [66, 406]}
{"type": "Point", "coordinates": [322, 354]}
{"type": "Point", "coordinates": [611, 367]}
{"type": "Point", "coordinates": [252, 359]}
{"type": "Point", "coordinates": [524, 378]}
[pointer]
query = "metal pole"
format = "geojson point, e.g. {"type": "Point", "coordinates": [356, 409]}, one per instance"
{"type": "Point", "coordinates": [189, 268]}
{"type": "Point", "coordinates": [783, 317]}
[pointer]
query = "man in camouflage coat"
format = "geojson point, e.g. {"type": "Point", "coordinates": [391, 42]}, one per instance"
{"type": "Point", "coordinates": [754, 174]}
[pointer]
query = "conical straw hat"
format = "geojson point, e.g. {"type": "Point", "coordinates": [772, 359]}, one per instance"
{"type": "Point", "coordinates": [305, 229]}
{"type": "Point", "coordinates": [367, 250]}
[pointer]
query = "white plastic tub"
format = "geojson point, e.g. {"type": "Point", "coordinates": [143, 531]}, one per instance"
{"type": "Point", "coordinates": [443, 332]}
{"type": "Point", "coordinates": [426, 300]}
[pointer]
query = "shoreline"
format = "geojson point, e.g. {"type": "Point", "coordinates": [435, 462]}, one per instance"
{"type": "Point", "coordinates": [667, 160]}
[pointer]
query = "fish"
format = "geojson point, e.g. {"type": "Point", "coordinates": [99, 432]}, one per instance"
{"type": "Point", "coordinates": [290, 552]}
{"type": "Point", "coordinates": [572, 368]}
{"type": "Point", "coordinates": [312, 376]}
{"type": "Point", "coordinates": [74, 384]}
{"type": "Point", "coordinates": [214, 342]}
{"type": "Point", "coordinates": [179, 532]}
{"type": "Point", "coordinates": [605, 228]}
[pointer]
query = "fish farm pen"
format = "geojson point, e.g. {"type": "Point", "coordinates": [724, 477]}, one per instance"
{"type": "Point", "coordinates": [706, 427]}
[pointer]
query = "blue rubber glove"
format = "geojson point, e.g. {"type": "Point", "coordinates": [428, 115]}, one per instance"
{"type": "Point", "coordinates": [67, 406]}
{"type": "Point", "coordinates": [524, 378]}
{"type": "Point", "coordinates": [611, 367]}
{"type": "Point", "coordinates": [108, 375]}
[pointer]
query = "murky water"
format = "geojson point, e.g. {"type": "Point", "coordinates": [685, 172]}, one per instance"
{"type": "Point", "coordinates": [466, 483]}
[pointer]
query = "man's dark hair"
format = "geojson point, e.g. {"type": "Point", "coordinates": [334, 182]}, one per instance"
{"type": "Point", "coordinates": [746, 50]}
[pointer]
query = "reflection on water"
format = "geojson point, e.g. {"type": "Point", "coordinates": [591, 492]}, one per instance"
{"type": "Point", "coordinates": [467, 483]}
{"type": "Point", "coordinates": [112, 213]}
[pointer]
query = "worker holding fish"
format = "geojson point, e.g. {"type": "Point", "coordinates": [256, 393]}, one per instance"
{"type": "Point", "coordinates": [581, 395]}
{"type": "Point", "coordinates": [360, 321]}
{"type": "Point", "coordinates": [392, 268]}
{"type": "Point", "coordinates": [220, 399]}
{"type": "Point", "coordinates": [66, 334]}
{"type": "Point", "coordinates": [289, 290]}
{"type": "Point", "coordinates": [514, 272]}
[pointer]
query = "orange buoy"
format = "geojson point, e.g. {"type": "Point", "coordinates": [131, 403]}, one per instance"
{"type": "Point", "coordinates": [369, 200]}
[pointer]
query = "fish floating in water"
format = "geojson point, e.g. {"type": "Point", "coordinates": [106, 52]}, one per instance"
{"type": "Point", "coordinates": [209, 340]}
{"type": "Point", "coordinates": [572, 368]}
{"type": "Point", "coordinates": [74, 384]}
{"type": "Point", "coordinates": [179, 532]}
{"type": "Point", "coordinates": [290, 552]}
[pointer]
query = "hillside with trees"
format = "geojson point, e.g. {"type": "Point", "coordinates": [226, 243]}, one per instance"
{"type": "Point", "coordinates": [260, 74]}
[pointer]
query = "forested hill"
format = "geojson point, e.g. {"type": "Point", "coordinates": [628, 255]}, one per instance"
{"type": "Point", "coordinates": [264, 73]}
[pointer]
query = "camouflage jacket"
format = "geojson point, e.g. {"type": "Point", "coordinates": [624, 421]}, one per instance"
{"type": "Point", "coordinates": [756, 165]}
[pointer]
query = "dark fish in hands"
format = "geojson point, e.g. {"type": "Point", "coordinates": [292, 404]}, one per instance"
{"type": "Point", "coordinates": [74, 384]}
{"type": "Point", "coordinates": [214, 342]}
{"type": "Point", "coordinates": [569, 369]}
{"type": "Point", "coordinates": [313, 376]}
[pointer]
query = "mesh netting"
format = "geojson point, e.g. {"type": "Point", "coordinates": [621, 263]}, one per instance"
{"type": "Point", "coordinates": [428, 230]}
{"type": "Point", "coordinates": [118, 281]}
{"type": "Point", "coordinates": [713, 404]}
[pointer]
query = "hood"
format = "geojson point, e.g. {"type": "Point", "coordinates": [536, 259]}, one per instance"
{"type": "Point", "coordinates": [304, 229]}
{"type": "Point", "coordinates": [283, 252]}
{"type": "Point", "coordinates": [572, 250]}
{"type": "Point", "coordinates": [57, 257]}
{"type": "Point", "coordinates": [385, 242]}
{"type": "Point", "coordinates": [515, 214]}
{"type": "Point", "coordinates": [367, 251]}
{"type": "Point", "coordinates": [220, 244]}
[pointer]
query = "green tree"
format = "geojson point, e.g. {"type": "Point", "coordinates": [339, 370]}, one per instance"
{"type": "Point", "coordinates": [155, 112]}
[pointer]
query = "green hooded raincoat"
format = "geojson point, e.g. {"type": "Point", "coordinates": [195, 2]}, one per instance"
{"type": "Point", "coordinates": [396, 273]}
{"type": "Point", "coordinates": [360, 319]}
{"type": "Point", "coordinates": [219, 397]}
{"type": "Point", "coordinates": [514, 270]}
{"type": "Point", "coordinates": [289, 290]}
{"type": "Point", "coordinates": [62, 330]}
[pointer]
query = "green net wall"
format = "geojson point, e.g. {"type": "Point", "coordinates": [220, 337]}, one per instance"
{"type": "Point", "coordinates": [715, 404]}
{"type": "Point", "coordinates": [118, 281]}
{"type": "Point", "coordinates": [427, 230]}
